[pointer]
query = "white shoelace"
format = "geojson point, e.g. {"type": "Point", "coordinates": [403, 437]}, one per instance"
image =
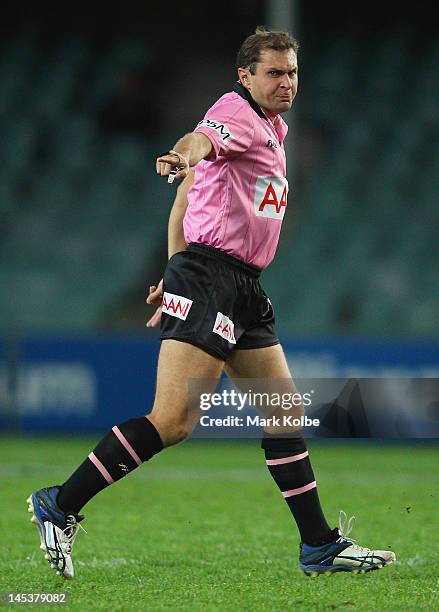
{"type": "Point", "coordinates": [345, 530]}
{"type": "Point", "coordinates": [345, 527]}
{"type": "Point", "coordinates": [70, 532]}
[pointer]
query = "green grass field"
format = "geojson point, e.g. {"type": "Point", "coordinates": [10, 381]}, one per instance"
{"type": "Point", "coordinates": [203, 527]}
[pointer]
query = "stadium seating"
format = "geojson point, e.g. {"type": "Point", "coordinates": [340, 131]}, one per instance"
{"type": "Point", "coordinates": [82, 215]}
{"type": "Point", "coordinates": [368, 222]}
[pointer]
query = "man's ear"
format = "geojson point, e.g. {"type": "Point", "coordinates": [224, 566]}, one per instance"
{"type": "Point", "coordinates": [244, 77]}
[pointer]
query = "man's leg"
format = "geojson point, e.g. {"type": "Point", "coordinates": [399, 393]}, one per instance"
{"type": "Point", "coordinates": [287, 457]}
{"type": "Point", "coordinates": [123, 449]}
{"type": "Point", "coordinates": [135, 441]}
{"type": "Point", "coordinates": [179, 362]}
{"type": "Point", "coordinates": [322, 550]}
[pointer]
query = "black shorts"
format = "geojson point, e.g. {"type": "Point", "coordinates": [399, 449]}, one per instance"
{"type": "Point", "coordinates": [215, 301]}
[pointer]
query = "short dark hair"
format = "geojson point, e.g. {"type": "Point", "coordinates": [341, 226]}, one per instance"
{"type": "Point", "coordinates": [250, 52]}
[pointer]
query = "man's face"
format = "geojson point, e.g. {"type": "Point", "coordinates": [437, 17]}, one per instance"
{"type": "Point", "coordinates": [274, 84]}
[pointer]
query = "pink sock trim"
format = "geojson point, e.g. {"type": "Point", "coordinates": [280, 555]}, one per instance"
{"type": "Point", "coordinates": [287, 459]}
{"type": "Point", "coordinates": [300, 490]}
{"type": "Point", "coordinates": [101, 468]}
{"type": "Point", "coordinates": [126, 445]}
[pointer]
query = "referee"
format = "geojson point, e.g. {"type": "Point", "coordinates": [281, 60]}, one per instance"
{"type": "Point", "coordinates": [214, 315]}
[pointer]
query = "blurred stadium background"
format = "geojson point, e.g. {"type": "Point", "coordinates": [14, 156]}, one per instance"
{"type": "Point", "coordinates": [89, 97]}
{"type": "Point", "coordinates": [90, 92]}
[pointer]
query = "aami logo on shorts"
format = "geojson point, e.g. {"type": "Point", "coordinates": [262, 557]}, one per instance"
{"type": "Point", "coordinates": [224, 327]}
{"type": "Point", "coordinates": [176, 305]}
{"type": "Point", "coordinates": [223, 130]}
{"type": "Point", "coordinates": [271, 197]}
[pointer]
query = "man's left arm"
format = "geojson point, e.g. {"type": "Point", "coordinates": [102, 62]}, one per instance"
{"type": "Point", "coordinates": [176, 242]}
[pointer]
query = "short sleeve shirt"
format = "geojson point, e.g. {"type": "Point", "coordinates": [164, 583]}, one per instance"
{"type": "Point", "coordinates": [239, 195]}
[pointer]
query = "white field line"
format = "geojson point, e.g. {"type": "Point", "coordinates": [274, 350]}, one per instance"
{"type": "Point", "coordinates": [223, 474]}
{"type": "Point", "coordinates": [145, 473]}
{"type": "Point", "coordinates": [114, 562]}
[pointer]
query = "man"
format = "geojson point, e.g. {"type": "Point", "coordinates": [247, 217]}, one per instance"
{"type": "Point", "coordinates": [214, 313]}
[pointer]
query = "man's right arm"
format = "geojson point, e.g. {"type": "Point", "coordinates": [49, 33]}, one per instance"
{"type": "Point", "coordinates": [187, 152]}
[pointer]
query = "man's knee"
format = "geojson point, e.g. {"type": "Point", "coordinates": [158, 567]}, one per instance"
{"type": "Point", "coordinates": [172, 429]}
{"type": "Point", "coordinates": [177, 431]}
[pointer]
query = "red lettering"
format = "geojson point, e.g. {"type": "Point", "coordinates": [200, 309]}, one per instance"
{"type": "Point", "coordinates": [226, 329]}
{"type": "Point", "coordinates": [175, 307]}
{"type": "Point", "coordinates": [283, 200]}
{"type": "Point", "coordinates": [270, 197]}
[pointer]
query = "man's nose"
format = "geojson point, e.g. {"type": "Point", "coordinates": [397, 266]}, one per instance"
{"type": "Point", "coordinates": [287, 82]}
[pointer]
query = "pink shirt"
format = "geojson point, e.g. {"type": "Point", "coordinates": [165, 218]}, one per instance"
{"type": "Point", "coordinates": [239, 195]}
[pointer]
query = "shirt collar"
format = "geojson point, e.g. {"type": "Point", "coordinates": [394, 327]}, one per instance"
{"type": "Point", "coordinates": [244, 93]}
{"type": "Point", "coordinates": [279, 124]}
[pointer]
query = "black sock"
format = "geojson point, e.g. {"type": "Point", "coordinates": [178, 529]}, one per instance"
{"type": "Point", "coordinates": [288, 462]}
{"type": "Point", "coordinates": [123, 449]}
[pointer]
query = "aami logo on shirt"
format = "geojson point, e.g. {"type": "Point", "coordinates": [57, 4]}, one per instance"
{"type": "Point", "coordinates": [176, 305]}
{"type": "Point", "coordinates": [222, 129]}
{"type": "Point", "coordinates": [271, 197]}
{"type": "Point", "coordinates": [224, 327]}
